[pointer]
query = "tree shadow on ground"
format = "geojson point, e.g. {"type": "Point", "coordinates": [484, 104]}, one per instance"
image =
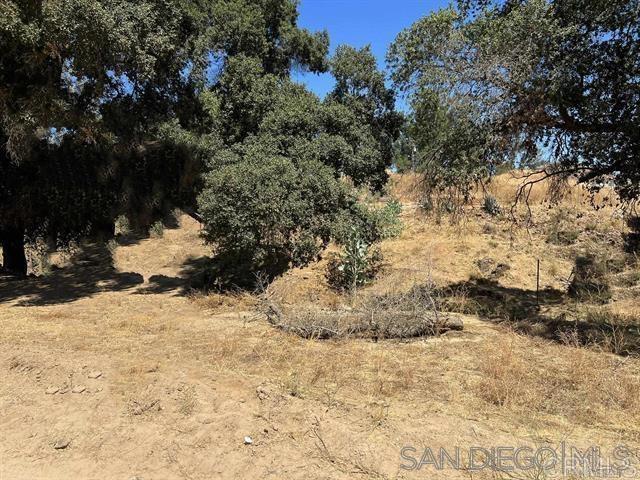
{"type": "Point", "coordinates": [546, 314]}
{"type": "Point", "coordinates": [217, 274]}
{"type": "Point", "coordinates": [196, 274]}
{"type": "Point", "coordinates": [131, 238]}
{"type": "Point", "coordinates": [490, 300]}
{"type": "Point", "coordinates": [91, 271]}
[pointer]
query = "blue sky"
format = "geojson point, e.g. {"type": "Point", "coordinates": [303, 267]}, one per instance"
{"type": "Point", "coordinates": [358, 23]}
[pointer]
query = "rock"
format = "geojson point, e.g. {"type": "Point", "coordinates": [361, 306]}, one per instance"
{"type": "Point", "coordinates": [262, 392]}
{"type": "Point", "coordinates": [248, 440]}
{"type": "Point", "coordinates": [95, 374]}
{"type": "Point", "coordinates": [205, 420]}
{"type": "Point", "coordinates": [485, 265]}
{"type": "Point", "coordinates": [61, 444]}
{"type": "Point", "coordinates": [454, 323]}
{"type": "Point", "coordinates": [500, 270]}
{"type": "Point", "coordinates": [52, 390]}
{"type": "Point", "coordinates": [78, 389]}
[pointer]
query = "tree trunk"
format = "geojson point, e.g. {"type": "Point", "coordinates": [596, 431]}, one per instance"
{"type": "Point", "coordinates": [13, 255]}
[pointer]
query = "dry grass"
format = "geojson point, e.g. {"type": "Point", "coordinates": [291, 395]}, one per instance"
{"type": "Point", "coordinates": [190, 374]}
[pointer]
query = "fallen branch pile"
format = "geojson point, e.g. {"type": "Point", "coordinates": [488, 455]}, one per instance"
{"type": "Point", "coordinates": [377, 325]}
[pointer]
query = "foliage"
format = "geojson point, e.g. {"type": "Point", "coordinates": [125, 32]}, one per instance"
{"type": "Point", "coordinates": [112, 108]}
{"type": "Point", "coordinates": [491, 205]}
{"type": "Point", "coordinates": [276, 192]}
{"type": "Point", "coordinates": [357, 265]}
{"type": "Point", "coordinates": [267, 214]}
{"type": "Point", "coordinates": [561, 230]}
{"type": "Point", "coordinates": [517, 81]}
{"type": "Point", "coordinates": [84, 85]}
{"type": "Point", "coordinates": [361, 87]}
{"type": "Point", "coordinates": [387, 219]}
{"type": "Point", "coordinates": [372, 224]}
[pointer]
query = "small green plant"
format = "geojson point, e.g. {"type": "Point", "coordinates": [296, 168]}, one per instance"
{"type": "Point", "coordinates": [491, 206]}
{"type": "Point", "coordinates": [157, 229]}
{"type": "Point", "coordinates": [122, 225]}
{"type": "Point", "coordinates": [357, 265]}
{"type": "Point", "coordinates": [372, 224]}
{"type": "Point", "coordinates": [388, 219]}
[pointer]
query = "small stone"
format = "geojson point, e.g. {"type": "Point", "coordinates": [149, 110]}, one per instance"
{"type": "Point", "coordinates": [455, 323]}
{"type": "Point", "coordinates": [262, 393]}
{"type": "Point", "coordinates": [61, 444]}
{"type": "Point", "coordinates": [95, 374]}
{"type": "Point", "coordinates": [52, 390]}
{"type": "Point", "coordinates": [248, 440]}
{"type": "Point", "coordinates": [79, 389]}
{"type": "Point", "coordinates": [205, 420]}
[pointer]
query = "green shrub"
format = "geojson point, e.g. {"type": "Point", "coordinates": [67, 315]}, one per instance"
{"type": "Point", "coordinates": [265, 214]}
{"type": "Point", "coordinates": [491, 205]}
{"type": "Point", "coordinates": [357, 265]}
{"type": "Point", "coordinates": [372, 224]}
{"type": "Point", "coordinates": [157, 229]}
{"type": "Point", "coordinates": [387, 219]}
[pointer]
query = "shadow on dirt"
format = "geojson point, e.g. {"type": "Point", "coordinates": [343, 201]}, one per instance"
{"type": "Point", "coordinates": [218, 274]}
{"type": "Point", "coordinates": [194, 275]}
{"type": "Point", "coordinates": [91, 271]}
{"type": "Point", "coordinates": [548, 314]}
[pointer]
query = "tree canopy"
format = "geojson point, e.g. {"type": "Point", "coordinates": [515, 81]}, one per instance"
{"type": "Point", "coordinates": [528, 81]}
{"type": "Point", "coordinates": [122, 107]}
{"type": "Point", "coordinates": [275, 189]}
{"type": "Point", "coordinates": [83, 86]}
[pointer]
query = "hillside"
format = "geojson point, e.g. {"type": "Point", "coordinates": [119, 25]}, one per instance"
{"type": "Point", "coordinates": [113, 368]}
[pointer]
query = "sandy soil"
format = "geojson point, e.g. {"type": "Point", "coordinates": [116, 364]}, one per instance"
{"type": "Point", "coordinates": [117, 374]}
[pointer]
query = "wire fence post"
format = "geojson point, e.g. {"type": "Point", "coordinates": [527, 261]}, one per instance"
{"type": "Point", "coordinates": [538, 284]}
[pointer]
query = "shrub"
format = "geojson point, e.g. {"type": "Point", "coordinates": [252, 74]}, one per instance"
{"type": "Point", "coordinates": [590, 282]}
{"type": "Point", "coordinates": [157, 229]}
{"type": "Point", "coordinates": [491, 205]}
{"type": "Point", "coordinates": [372, 224]}
{"type": "Point", "coordinates": [266, 214]}
{"type": "Point", "coordinates": [357, 265]}
{"type": "Point", "coordinates": [560, 230]}
{"type": "Point", "coordinates": [563, 237]}
{"type": "Point", "coordinates": [387, 219]}
{"type": "Point", "coordinates": [122, 225]}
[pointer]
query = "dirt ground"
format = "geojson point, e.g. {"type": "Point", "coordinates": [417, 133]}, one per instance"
{"type": "Point", "coordinates": [118, 373]}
